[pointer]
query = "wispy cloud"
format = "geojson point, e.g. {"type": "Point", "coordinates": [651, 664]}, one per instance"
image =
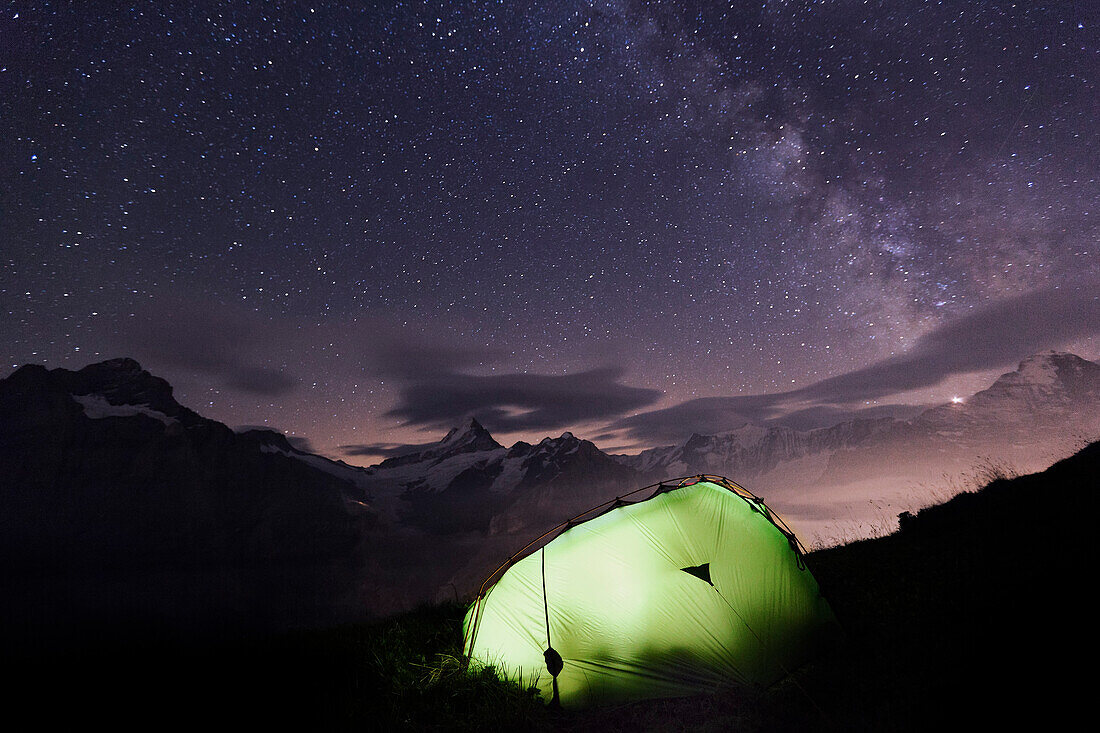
{"type": "Point", "coordinates": [381, 450]}
{"type": "Point", "coordinates": [510, 402]}
{"type": "Point", "coordinates": [218, 341]}
{"type": "Point", "coordinates": [439, 385]}
{"type": "Point", "coordinates": [996, 336]}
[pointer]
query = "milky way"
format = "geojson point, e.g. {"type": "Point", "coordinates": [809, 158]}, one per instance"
{"type": "Point", "coordinates": [358, 223]}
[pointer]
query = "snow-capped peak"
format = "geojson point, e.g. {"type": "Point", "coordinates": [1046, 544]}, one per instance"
{"type": "Point", "coordinates": [122, 383]}
{"type": "Point", "coordinates": [565, 438]}
{"type": "Point", "coordinates": [1042, 368]}
{"type": "Point", "coordinates": [1046, 371]}
{"type": "Point", "coordinates": [1048, 383]}
{"type": "Point", "coordinates": [97, 407]}
{"type": "Point", "coordinates": [1038, 369]}
{"type": "Point", "coordinates": [469, 436]}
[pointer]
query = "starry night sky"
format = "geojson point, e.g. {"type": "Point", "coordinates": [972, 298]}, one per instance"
{"type": "Point", "coordinates": [361, 222]}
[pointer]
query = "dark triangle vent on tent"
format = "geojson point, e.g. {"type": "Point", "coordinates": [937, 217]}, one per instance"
{"type": "Point", "coordinates": [702, 572]}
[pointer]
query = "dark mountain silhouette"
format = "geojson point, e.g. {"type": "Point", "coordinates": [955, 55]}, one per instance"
{"type": "Point", "coordinates": [120, 506]}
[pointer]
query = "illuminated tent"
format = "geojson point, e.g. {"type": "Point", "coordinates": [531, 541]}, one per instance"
{"type": "Point", "coordinates": [697, 585]}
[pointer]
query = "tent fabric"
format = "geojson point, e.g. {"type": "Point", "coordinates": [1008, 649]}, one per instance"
{"type": "Point", "coordinates": [695, 587]}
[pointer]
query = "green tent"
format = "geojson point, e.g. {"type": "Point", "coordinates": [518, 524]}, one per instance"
{"type": "Point", "coordinates": [697, 585]}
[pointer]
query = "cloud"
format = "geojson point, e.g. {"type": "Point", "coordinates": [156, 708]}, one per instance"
{"type": "Point", "coordinates": [438, 385]}
{"type": "Point", "coordinates": [257, 380]}
{"type": "Point", "coordinates": [509, 402]}
{"type": "Point", "coordinates": [710, 415]}
{"type": "Point", "coordinates": [822, 416]}
{"type": "Point", "coordinates": [703, 415]}
{"type": "Point", "coordinates": [396, 354]}
{"type": "Point", "coordinates": [296, 441]}
{"type": "Point", "coordinates": [382, 450]}
{"type": "Point", "coordinates": [998, 335]}
{"type": "Point", "coordinates": [222, 342]}
{"type": "Point", "coordinates": [300, 443]}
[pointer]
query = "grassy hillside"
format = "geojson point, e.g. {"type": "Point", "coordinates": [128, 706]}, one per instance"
{"type": "Point", "coordinates": [973, 613]}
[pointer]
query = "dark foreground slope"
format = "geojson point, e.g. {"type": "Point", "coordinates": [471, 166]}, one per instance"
{"type": "Point", "coordinates": [976, 610]}
{"type": "Point", "coordinates": [974, 614]}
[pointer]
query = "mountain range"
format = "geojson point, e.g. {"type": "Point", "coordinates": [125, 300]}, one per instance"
{"type": "Point", "coordinates": [1023, 421]}
{"type": "Point", "coordinates": [106, 475]}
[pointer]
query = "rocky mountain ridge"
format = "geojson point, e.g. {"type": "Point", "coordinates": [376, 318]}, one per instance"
{"type": "Point", "coordinates": [106, 476]}
{"type": "Point", "coordinates": [461, 483]}
{"type": "Point", "coordinates": [752, 449]}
